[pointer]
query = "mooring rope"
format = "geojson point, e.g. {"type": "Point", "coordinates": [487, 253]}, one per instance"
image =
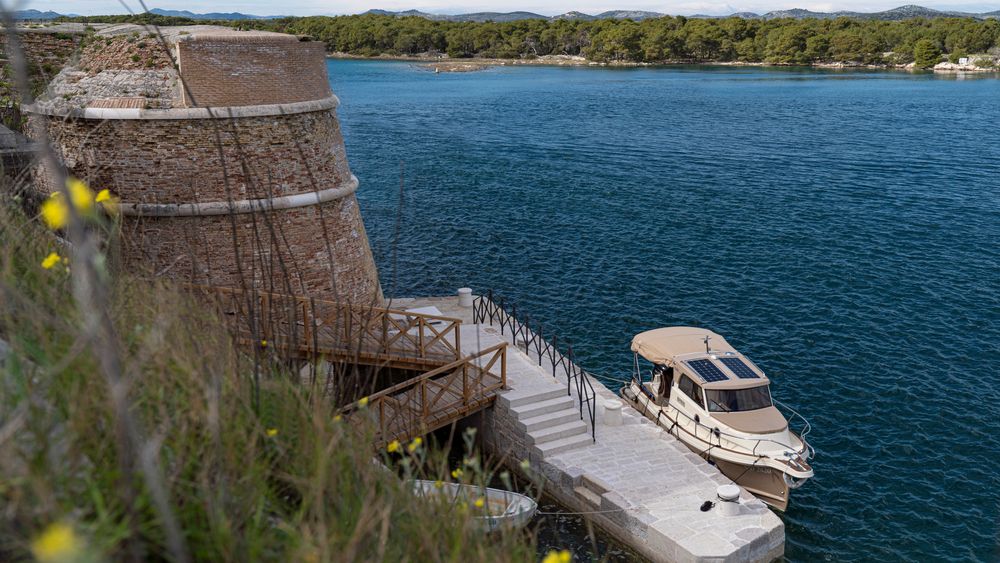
{"type": "Point", "coordinates": [583, 512]}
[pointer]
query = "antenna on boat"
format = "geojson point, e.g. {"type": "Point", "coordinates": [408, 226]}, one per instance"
{"type": "Point", "coordinates": [707, 349]}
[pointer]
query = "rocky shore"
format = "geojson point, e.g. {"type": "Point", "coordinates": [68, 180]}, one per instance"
{"type": "Point", "coordinates": [442, 63]}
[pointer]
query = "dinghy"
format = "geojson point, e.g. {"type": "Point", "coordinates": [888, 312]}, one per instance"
{"type": "Point", "coordinates": [501, 509]}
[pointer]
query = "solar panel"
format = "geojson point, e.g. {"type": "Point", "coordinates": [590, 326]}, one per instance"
{"type": "Point", "coordinates": [740, 368]}
{"type": "Point", "coordinates": [707, 370]}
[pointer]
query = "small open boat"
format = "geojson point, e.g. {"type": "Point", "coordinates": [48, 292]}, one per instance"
{"type": "Point", "coordinates": [501, 509]}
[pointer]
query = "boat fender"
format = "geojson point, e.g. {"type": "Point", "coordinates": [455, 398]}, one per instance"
{"type": "Point", "coordinates": [697, 419]}
{"type": "Point", "coordinates": [707, 505]}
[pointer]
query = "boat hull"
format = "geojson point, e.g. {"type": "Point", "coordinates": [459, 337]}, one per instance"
{"type": "Point", "coordinates": [767, 483]}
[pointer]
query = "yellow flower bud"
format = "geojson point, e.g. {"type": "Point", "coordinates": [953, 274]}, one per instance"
{"type": "Point", "coordinates": [50, 261]}
{"type": "Point", "coordinates": [57, 543]}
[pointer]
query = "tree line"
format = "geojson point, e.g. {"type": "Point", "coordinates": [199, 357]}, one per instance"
{"type": "Point", "coordinates": [656, 40]}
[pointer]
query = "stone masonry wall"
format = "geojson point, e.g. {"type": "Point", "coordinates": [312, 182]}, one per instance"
{"type": "Point", "coordinates": [252, 70]}
{"type": "Point", "coordinates": [321, 249]}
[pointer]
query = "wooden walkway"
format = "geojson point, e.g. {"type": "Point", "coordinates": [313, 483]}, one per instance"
{"type": "Point", "coordinates": [309, 328]}
{"type": "Point", "coordinates": [437, 398]}
{"type": "Point", "coordinates": [449, 388]}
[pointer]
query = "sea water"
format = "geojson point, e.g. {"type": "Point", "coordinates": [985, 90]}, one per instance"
{"type": "Point", "coordinates": [841, 228]}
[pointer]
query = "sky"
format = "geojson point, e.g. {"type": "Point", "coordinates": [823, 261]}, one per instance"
{"type": "Point", "coordinates": [327, 7]}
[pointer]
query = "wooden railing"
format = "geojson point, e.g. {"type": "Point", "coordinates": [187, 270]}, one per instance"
{"type": "Point", "coordinates": [309, 327]}
{"type": "Point", "coordinates": [436, 398]}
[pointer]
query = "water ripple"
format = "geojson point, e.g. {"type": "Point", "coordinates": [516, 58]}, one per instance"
{"type": "Point", "coordinates": [841, 228]}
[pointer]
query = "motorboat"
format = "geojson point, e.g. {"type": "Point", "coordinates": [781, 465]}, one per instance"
{"type": "Point", "coordinates": [718, 403]}
{"type": "Point", "coordinates": [500, 509]}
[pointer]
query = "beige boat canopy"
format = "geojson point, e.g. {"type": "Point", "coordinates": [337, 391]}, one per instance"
{"type": "Point", "coordinates": [661, 345]}
{"type": "Point", "coordinates": [684, 346]}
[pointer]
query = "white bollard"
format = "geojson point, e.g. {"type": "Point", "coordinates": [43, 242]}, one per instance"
{"type": "Point", "coordinates": [613, 413]}
{"type": "Point", "coordinates": [464, 297]}
{"type": "Point", "coordinates": [729, 500]}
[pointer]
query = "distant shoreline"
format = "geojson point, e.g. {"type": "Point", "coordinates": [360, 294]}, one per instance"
{"type": "Point", "coordinates": [469, 64]}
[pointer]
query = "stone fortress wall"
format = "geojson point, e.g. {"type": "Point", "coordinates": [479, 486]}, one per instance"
{"type": "Point", "coordinates": [250, 70]}
{"type": "Point", "coordinates": [227, 174]}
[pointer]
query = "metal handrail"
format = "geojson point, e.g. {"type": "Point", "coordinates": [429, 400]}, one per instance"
{"type": "Point", "coordinates": [714, 431]}
{"type": "Point", "coordinates": [487, 310]}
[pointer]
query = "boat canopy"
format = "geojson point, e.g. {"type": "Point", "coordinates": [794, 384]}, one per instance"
{"type": "Point", "coordinates": [662, 345]}
{"type": "Point", "coordinates": [683, 347]}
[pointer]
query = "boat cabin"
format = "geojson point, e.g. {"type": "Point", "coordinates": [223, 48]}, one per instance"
{"type": "Point", "coordinates": [697, 371]}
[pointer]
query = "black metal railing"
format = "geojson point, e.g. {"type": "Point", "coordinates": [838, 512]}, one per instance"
{"type": "Point", "coordinates": [488, 310]}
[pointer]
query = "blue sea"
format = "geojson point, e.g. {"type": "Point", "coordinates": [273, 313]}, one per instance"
{"type": "Point", "coordinates": [842, 228]}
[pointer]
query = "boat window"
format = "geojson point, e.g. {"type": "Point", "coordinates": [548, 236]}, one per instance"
{"type": "Point", "coordinates": [737, 400]}
{"type": "Point", "coordinates": [691, 390]}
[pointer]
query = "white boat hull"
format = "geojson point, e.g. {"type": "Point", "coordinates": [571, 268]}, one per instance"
{"type": "Point", "coordinates": [501, 509]}
{"type": "Point", "coordinates": [764, 471]}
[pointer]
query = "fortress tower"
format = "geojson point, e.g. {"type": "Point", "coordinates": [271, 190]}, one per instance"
{"type": "Point", "coordinates": [231, 172]}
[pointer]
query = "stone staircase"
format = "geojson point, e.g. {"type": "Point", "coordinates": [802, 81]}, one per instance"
{"type": "Point", "coordinates": [550, 419]}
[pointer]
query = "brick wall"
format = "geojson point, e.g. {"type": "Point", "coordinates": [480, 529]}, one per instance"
{"type": "Point", "coordinates": [251, 70]}
{"type": "Point", "coordinates": [321, 250]}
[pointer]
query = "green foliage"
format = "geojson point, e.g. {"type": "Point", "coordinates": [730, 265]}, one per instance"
{"type": "Point", "coordinates": [666, 39]}
{"type": "Point", "coordinates": [283, 482]}
{"type": "Point", "coordinates": [926, 53]}
{"type": "Point", "coordinates": [956, 55]}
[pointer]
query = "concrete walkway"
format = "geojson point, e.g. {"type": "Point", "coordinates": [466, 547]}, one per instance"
{"type": "Point", "coordinates": [638, 482]}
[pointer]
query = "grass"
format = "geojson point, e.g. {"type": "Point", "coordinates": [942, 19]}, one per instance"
{"type": "Point", "coordinates": [283, 482]}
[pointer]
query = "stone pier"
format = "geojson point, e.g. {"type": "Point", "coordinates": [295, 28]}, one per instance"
{"type": "Point", "coordinates": [637, 482]}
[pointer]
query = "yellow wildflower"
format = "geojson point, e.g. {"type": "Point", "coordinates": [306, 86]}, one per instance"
{"type": "Point", "coordinates": [50, 261]}
{"type": "Point", "coordinates": [102, 196]}
{"type": "Point", "coordinates": [363, 402]}
{"type": "Point", "coordinates": [457, 473]}
{"type": "Point", "coordinates": [57, 543]}
{"type": "Point", "coordinates": [80, 195]}
{"type": "Point", "coordinates": [554, 556]}
{"type": "Point", "coordinates": [263, 343]}
{"type": "Point", "coordinates": [55, 213]}
{"type": "Point", "coordinates": [438, 484]}
{"type": "Point", "coordinates": [338, 418]}
{"type": "Point", "coordinates": [393, 446]}
{"type": "Point", "coordinates": [272, 432]}
{"type": "Point", "coordinates": [525, 464]}
{"type": "Point", "coordinates": [415, 444]}
{"type": "Point", "coordinates": [480, 502]}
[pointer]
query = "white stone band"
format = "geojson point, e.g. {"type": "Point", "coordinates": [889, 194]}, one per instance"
{"type": "Point", "coordinates": [241, 206]}
{"type": "Point", "coordinates": [187, 113]}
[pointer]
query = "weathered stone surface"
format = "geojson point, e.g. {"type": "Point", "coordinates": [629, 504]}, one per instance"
{"type": "Point", "coordinates": [149, 156]}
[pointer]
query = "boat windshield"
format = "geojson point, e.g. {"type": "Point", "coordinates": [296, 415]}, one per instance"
{"type": "Point", "coordinates": [737, 400]}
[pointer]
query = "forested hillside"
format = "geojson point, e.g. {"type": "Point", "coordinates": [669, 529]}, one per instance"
{"type": "Point", "coordinates": [666, 39]}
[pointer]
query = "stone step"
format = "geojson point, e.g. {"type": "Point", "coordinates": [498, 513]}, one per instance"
{"type": "Point", "coordinates": [550, 419]}
{"type": "Point", "coordinates": [563, 445]}
{"type": "Point", "coordinates": [543, 407]}
{"type": "Point", "coordinates": [589, 496]}
{"type": "Point", "coordinates": [531, 396]}
{"type": "Point", "coordinates": [564, 430]}
{"type": "Point", "coordinates": [594, 484]}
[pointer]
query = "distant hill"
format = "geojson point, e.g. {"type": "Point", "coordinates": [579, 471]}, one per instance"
{"type": "Point", "coordinates": [895, 14]}
{"type": "Point", "coordinates": [36, 15]}
{"type": "Point", "coordinates": [210, 16]}
{"type": "Point", "coordinates": [473, 17]}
